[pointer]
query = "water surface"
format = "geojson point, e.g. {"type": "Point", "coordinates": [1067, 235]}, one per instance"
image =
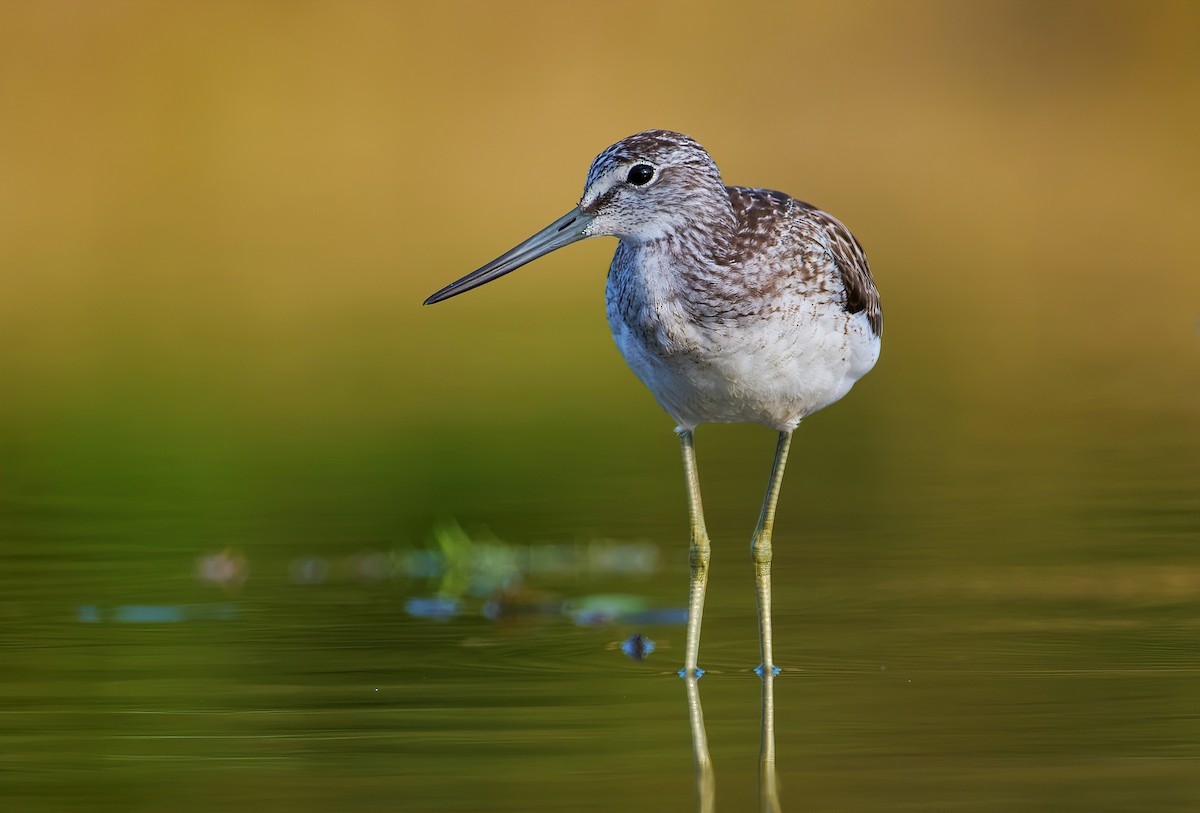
{"type": "Point", "coordinates": [274, 537]}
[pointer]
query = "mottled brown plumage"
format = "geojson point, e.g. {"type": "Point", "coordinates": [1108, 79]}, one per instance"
{"type": "Point", "coordinates": [768, 219]}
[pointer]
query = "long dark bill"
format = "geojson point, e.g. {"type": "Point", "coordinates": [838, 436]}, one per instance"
{"type": "Point", "coordinates": [562, 232]}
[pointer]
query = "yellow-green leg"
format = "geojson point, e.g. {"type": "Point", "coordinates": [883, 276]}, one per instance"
{"type": "Point", "coordinates": [760, 547]}
{"type": "Point", "coordinates": [699, 555]}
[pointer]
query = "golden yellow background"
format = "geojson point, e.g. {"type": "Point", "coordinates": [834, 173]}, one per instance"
{"type": "Point", "coordinates": [247, 202]}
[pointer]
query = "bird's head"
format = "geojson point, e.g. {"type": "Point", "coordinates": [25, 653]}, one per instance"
{"type": "Point", "coordinates": [643, 188]}
{"type": "Point", "coordinates": [650, 185]}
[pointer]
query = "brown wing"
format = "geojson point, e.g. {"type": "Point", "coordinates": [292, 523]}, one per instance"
{"type": "Point", "coordinates": [762, 215]}
{"type": "Point", "coordinates": [851, 259]}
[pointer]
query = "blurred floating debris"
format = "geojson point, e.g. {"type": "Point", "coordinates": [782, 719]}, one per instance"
{"type": "Point", "coordinates": [149, 614]}
{"type": "Point", "coordinates": [461, 564]}
{"type": "Point", "coordinates": [366, 567]}
{"type": "Point", "coordinates": [676, 615]}
{"type": "Point", "coordinates": [156, 613]}
{"type": "Point", "coordinates": [463, 568]}
{"type": "Point", "coordinates": [419, 564]}
{"type": "Point", "coordinates": [621, 558]}
{"type": "Point", "coordinates": [309, 570]}
{"type": "Point", "coordinates": [602, 609]}
{"type": "Point", "coordinates": [516, 602]}
{"type": "Point", "coordinates": [227, 569]}
{"type": "Point", "coordinates": [480, 565]}
{"type": "Point", "coordinates": [460, 567]}
{"type": "Point", "coordinates": [617, 608]}
{"type": "Point", "coordinates": [474, 567]}
{"type": "Point", "coordinates": [438, 608]}
{"type": "Point", "coordinates": [370, 568]}
{"type": "Point", "coordinates": [637, 646]}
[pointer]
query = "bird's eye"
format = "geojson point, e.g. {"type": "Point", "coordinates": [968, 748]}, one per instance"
{"type": "Point", "coordinates": [640, 174]}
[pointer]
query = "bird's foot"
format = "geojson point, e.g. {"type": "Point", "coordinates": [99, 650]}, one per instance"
{"type": "Point", "coordinates": [758, 670]}
{"type": "Point", "coordinates": [696, 672]}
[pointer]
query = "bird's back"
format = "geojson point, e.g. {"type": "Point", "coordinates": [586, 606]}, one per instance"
{"type": "Point", "coordinates": [785, 247]}
{"type": "Point", "coordinates": [767, 324]}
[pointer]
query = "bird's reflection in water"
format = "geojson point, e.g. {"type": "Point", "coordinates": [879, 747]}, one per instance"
{"type": "Point", "coordinates": [768, 788]}
{"type": "Point", "coordinates": [705, 786]}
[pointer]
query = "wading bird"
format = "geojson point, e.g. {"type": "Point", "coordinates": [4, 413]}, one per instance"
{"type": "Point", "coordinates": [731, 304]}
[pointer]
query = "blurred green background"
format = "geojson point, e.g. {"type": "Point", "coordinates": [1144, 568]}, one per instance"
{"type": "Point", "coordinates": [218, 222]}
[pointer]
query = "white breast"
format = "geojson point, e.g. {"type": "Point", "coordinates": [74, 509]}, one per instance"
{"type": "Point", "coordinates": [786, 359]}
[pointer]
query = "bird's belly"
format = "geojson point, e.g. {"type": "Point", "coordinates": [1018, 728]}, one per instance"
{"type": "Point", "coordinates": [769, 371]}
